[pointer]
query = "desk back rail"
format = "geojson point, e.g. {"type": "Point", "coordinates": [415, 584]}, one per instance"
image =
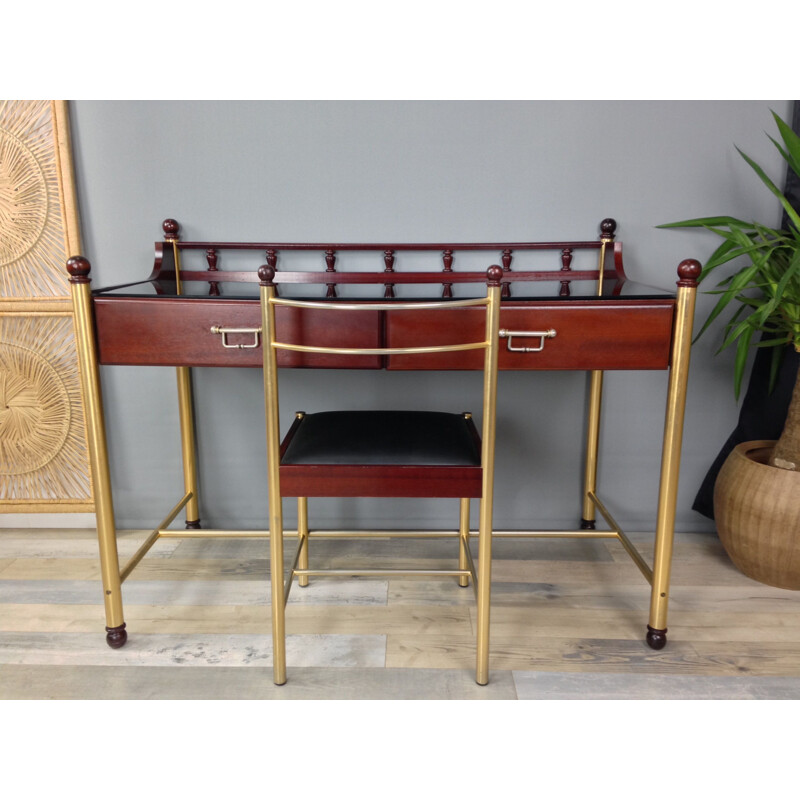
{"type": "Point", "coordinates": [167, 269]}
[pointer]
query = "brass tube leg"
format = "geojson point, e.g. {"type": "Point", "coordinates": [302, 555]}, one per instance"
{"type": "Point", "coordinates": [188, 450]}
{"type": "Point", "coordinates": [671, 453]}
{"type": "Point", "coordinates": [277, 597]}
{"type": "Point", "coordinates": [487, 486]}
{"type": "Point", "coordinates": [463, 540]}
{"type": "Point", "coordinates": [78, 268]}
{"type": "Point", "coordinates": [302, 532]}
{"type": "Point", "coordinates": [592, 449]}
{"type": "Point", "coordinates": [484, 590]}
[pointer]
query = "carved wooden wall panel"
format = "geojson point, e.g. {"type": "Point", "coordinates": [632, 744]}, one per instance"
{"type": "Point", "coordinates": [43, 456]}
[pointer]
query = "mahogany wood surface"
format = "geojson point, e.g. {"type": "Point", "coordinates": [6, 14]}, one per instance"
{"type": "Point", "coordinates": [176, 331]}
{"type": "Point", "coordinates": [589, 335]}
{"type": "Point", "coordinates": [167, 330]}
{"type": "Point", "coordinates": [328, 480]}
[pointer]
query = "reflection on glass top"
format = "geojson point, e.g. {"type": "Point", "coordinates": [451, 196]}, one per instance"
{"type": "Point", "coordinates": [521, 290]}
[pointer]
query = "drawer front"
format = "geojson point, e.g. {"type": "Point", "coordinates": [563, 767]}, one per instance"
{"type": "Point", "coordinates": [589, 335]}
{"type": "Point", "coordinates": [177, 332]}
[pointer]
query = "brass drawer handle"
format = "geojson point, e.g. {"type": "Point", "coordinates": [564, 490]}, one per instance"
{"type": "Point", "coordinates": [540, 335]}
{"type": "Point", "coordinates": [225, 331]}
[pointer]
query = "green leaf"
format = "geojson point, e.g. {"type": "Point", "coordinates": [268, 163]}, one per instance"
{"type": "Point", "coordinates": [704, 222]}
{"type": "Point", "coordinates": [740, 362]}
{"type": "Point", "coordinates": [764, 294]}
{"type": "Point", "coordinates": [792, 142]}
{"type": "Point", "coordinates": [775, 365]}
{"type": "Point", "coordinates": [793, 215]}
{"type": "Point", "coordinates": [786, 156]}
{"type": "Point", "coordinates": [778, 291]}
{"type": "Point", "coordinates": [737, 283]}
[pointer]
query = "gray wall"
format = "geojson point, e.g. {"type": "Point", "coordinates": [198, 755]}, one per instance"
{"type": "Point", "coordinates": [418, 171]}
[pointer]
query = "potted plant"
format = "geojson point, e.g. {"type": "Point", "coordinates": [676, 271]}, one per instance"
{"type": "Point", "coordinates": [757, 492]}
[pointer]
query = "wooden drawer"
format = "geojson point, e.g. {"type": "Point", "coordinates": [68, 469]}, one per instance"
{"type": "Point", "coordinates": [176, 331]}
{"type": "Point", "coordinates": [589, 335]}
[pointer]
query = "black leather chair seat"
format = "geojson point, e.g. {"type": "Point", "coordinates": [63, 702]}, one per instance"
{"type": "Point", "coordinates": [424, 438]}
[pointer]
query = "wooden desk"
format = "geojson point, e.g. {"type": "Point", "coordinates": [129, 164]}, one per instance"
{"type": "Point", "coordinates": [560, 316]}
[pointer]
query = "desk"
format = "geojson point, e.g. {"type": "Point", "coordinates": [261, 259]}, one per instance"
{"type": "Point", "coordinates": [565, 316]}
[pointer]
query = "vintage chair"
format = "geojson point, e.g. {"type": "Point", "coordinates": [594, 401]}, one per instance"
{"type": "Point", "coordinates": [380, 453]}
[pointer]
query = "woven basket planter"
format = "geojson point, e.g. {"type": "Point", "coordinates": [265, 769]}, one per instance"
{"type": "Point", "coordinates": [757, 512]}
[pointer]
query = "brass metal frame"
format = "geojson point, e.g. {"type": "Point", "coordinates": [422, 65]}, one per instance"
{"type": "Point", "coordinates": [98, 453]}
{"type": "Point", "coordinates": [112, 577]}
{"type": "Point", "coordinates": [671, 456]}
{"type": "Point", "coordinates": [481, 576]}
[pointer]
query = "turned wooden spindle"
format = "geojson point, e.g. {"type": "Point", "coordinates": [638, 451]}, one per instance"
{"type": "Point", "coordinates": [447, 259]}
{"type": "Point", "coordinates": [330, 262]}
{"type": "Point", "coordinates": [566, 266]}
{"type": "Point", "coordinates": [211, 257]}
{"type": "Point", "coordinates": [388, 260]}
{"type": "Point", "coordinates": [505, 290]}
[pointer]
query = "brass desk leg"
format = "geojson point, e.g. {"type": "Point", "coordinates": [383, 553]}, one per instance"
{"type": "Point", "coordinates": [688, 271]}
{"type": "Point", "coordinates": [78, 269]}
{"type": "Point", "coordinates": [592, 449]}
{"type": "Point", "coordinates": [188, 451]}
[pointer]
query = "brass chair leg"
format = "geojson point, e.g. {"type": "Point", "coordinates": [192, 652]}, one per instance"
{"type": "Point", "coordinates": [484, 590]}
{"type": "Point", "coordinates": [302, 532]}
{"type": "Point", "coordinates": [277, 595]}
{"type": "Point", "coordinates": [487, 485]}
{"type": "Point", "coordinates": [463, 540]}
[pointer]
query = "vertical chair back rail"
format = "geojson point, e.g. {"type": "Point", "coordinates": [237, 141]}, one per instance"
{"type": "Point", "coordinates": [272, 415]}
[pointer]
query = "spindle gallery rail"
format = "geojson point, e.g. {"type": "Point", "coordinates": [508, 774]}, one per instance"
{"type": "Point", "coordinates": [167, 269]}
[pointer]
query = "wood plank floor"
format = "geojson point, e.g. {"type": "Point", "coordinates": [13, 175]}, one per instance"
{"type": "Point", "coordinates": [568, 622]}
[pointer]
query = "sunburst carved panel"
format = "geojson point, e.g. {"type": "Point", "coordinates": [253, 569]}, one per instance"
{"type": "Point", "coordinates": [42, 443]}
{"type": "Point", "coordinates": [32, 245]}
{"type": "Point", "coordinates": [43, 454]}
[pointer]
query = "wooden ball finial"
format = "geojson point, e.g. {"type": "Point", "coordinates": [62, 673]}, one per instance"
{"type": "Point", "coordinates": [170, 228]}
{"type": "Point", "coordinates": [689, 271]}
{"type": "Point", "coordinates": [608, 228]}
{"type": "Point", "coordinates": [266, 274]}
{"type": "Point", "coordinates": [494, 275]}
{"type": "Point", "coordinates": [78, 268]}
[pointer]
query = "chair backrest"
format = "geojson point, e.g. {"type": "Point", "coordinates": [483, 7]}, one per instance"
{"type": "Point", "coordinates": [272, 346]}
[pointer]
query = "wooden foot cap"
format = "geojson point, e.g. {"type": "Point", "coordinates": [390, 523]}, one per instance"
{"type": "Point", "coordinates": [656, 638]}
{"type": "Point", "coordinates": [116, 637]}
{"type": "Point", "coordinates": [588, 525]}
{"type": "Point", "coordinates": [193, 525]}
